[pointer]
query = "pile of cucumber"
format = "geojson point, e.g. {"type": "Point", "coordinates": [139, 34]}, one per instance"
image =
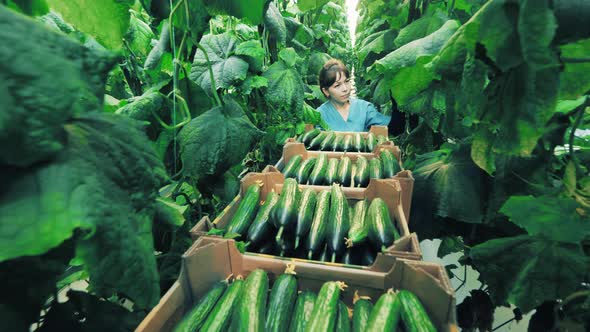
{"type": "Point", "coordinates": [317, 226]}
{"type": "Point", "coordinates": [246, 305]}
{"type": "Point", "coordinates": [319, 140]}
{"type": "Point", "coordinates": [324, 171]}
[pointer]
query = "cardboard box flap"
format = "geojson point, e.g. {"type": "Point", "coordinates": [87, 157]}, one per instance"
{"type": "Point", "coordinates": [262, 179]}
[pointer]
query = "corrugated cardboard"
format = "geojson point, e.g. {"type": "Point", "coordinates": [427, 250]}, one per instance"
{"type": "Point", "coordinates": [407, 246]}
{"type": "Point", "coordinates": [210, 260]}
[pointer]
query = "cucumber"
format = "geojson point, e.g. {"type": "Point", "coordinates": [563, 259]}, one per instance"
{"type": "Point", "coordinates": [347, 143]}
{"type": "Point", "coordinates": [327, 144]}
{"type": "Point", "coordinates": [344, 171]}
{"type": "Point", "coordinates": [381, 139]}
{"type": "Point", "coordinates": [305, 214]}
{"type": "Point", "coordinates": [382, 232]}
{"type": "Point", "coordinates": [390, 164]}
{"type": "Point", "coordinates": [284, 214]}
{"type": "Point", "coordinates": [314, 144]}
{"type": "Point", "coordinates": [361, 175]}
{"type": "Point", "coordinates": [371, 142]}
{"type": "Point", "coordinates": [286, 245]}
{"type": "Point", "coordinates": [325, 254]}
{"type": "Point", "coordinates": [325, 309]}
{"type": "Point", "coordinates": [299, 138]}
{"type": "Point", "coordinates": [261, 228]}
{"type": "Point", "coordinates": [281, 302]}
{"type": "Point", "coordinates": [358, 142]}
{"type": "Point", "coordinates": [268, 248]}
{"type": "Point", "coordinates": [193, 320]}
{"type": "Point", "coordinates": [305, 170]}
{"type": "Point", "coordinates": [220, 317]}
{"type": "Point", "coordinates": [309, 136]}
{"type": "Point", "coordinates": [318, 175]}
{"type": "Point", "coordinates": [290, 170]}
{"type": "Point", "coordinates": [245, 213]}
{"type": "Point", "coordinates": [342, 321]}
{"type": "Point", "coordinates": [331, 171]}
{"type": "Point", "coordinates": [317, 232]}
{"type": "Point", "coordinates": [368, 254]}
{"type": "Point", "coordinates": [386, 313]}
{"type": "Point", "coordinates": [351, 256]}
{"type": "Point", "coordinates": [413, 314]}
{"type": "Point", "coordinates": [375, 171]}
{"type": "Point", "coordinates": [359, 228]}
{"type": "Point", "coordinates": [251, 307]}
{"type": "Point", "coordinates": [337, 144]}
{"type": "Point", "coordinates": [360, 315]}
{"type": "Point", "coordinates": [303, 311]}
{"type": "Point", "coordinates": [338, 222]}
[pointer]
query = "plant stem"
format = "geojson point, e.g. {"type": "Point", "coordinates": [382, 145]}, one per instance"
{"type": "Point", "coordinates": [213, 86]}
{"type": "Point", "coordinates": [506, 322]}
{"type": "Point", "coordinates": [575, 60]}
{"type": "Point", "coordinates": [464, 278]}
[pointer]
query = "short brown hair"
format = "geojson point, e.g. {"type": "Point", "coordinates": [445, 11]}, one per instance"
{"type": "Point", "coordinates": [329, 72]}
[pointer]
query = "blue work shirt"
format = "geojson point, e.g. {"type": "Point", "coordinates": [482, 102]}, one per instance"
{"type": "Point", "coordinates": [362, 115]}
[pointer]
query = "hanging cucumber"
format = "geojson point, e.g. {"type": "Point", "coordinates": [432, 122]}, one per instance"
{"type": "Point", "coordinates": [193, 320]}
{"type": "Point", "coordinates": [331, 171]}
{"type": "Point", "coordinates": [338, 143]}
{"type": "Point", "coordinates": [327, 143]}
{"type": "Point", "coordinates": [345, 171]}
{"type": "Point", "coordinates": [309, 136]}
{"type": "Point", "coordinates": [303, 311]}
{"type": "Point", "coordinates": [290, 170]}
{"type": "Point", "coordinates": [338, 222]}
{"type": "Point", "coordinates": [245, 213]}
{"type": "Point", "coordinates": [386, 313]}
{"type": "Point", "coordinates": [305, 170]}
{"type": "Point", "coordinates": [220, 317]}
{"type": "Point", "coordinates": [359, 228]}
{"type": "Point", "coordinates": [347, 143]}
{"type": "Point", "coordinates": [361, 312]}
{"type": "Point", "coordinates": [325, 310]}
{"type": "Point", "coordinates": [382, 232]}
{"type": "Point", "coordinates": [281, 301]}
{"type": "Point", "coordinates": [315, 143]}
{"type": "Point", "coordinates": [305, 214]}
{"type": "Point", "coordinates": [361, 176]}
{"type": "Point", "coordinates": [371, 142]}
{"type": "Point", "coordinates": [284, 214]}
{"type": "Point", "coordinates": [261, 228]}
{"type": "Point", "coordinates": [318, 175]}
{"type": "Point", "coordinates": [358, 142]}
{"type": "Point", "coordinates": [413, 314]}
{"type": "Point", "coordinates": [342, 321]}
{"type": "Point", "coordinates": [250, 309]}
{"type": "Point", "coordinates": [375, 171]}
{"type": "Point", "coordinates": [389, 163]}
{"type": "Point", "coordinates": [317, 232]}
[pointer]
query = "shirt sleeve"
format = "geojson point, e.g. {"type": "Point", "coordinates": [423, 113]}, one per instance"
{"type": "Point", "coordinates": [374, 118]}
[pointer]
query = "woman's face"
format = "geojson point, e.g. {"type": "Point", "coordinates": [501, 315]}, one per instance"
{"type": "Point", "coordinates": [340, 90]}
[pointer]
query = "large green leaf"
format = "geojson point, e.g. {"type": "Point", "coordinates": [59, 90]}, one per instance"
{"type": "Point", "coordinates": [57, 79]}
{"type": "Point", "coordinates": [285, 87]}
{"type": "Point", "coordinates": [227, 67]}
{"type": "Point", "coordinates": [252, 10]}
{"type": "Point", "coordinates": [314, 65]}
{"type": "Point", "coordinates": [575, 78]}
{"type": "Point", "coordinates": [527, 270]}
{"type": "Point", "coordinates": [274, 22]}
{"type": "Point", "coordinates": [552, 217]}
{"type": "Point", "coordinates": [377, 43]}
{"type": "Point", "coordinates": [305, 5]}
{"type": "Point", "coordinates": [536, 28]}
{"type": "Point", "coordinates": [420, 28]}
{"type": "Point", "coordinates": [410, 81]}
{"type": "Point", "coordinates": [107, 21]}
{"type": "Point", "coordinates": [139, 36]}
{"type": "Point", "coordinates": [253, 52]}
{"type": "Point", "coordinates": [28, 7]}
{"type": "Point", "coordinates": [198, 21]}
{"type": "Point", "coordinates": [216, 140]}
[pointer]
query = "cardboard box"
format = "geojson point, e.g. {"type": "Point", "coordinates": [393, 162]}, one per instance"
{"type": "Point", "coordinates": [376, 130]}
{"type": "Point", "coordinates": [210, 260]}
{"type": "Point", "coordinates": [407, 246]}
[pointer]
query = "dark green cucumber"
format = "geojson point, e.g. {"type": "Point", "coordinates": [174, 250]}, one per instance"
{"type": "Point", "coordinates": [299, 138]}
{"type": "Point", "coordinates": [381, 139]}
{"type": "Point", "coordinates": [337, 144]}
{"type": "Point", "coordinates": [315, 143]}
{"type": "Point", "coordinates": [305, 170]}
{"type": "Point", "coordinates": [327, 143]}
{"type": "Point", "coordinates": [386, 313]}
{"type": "Point", "coordinates": [360, 315]}
{"type": "Point", "coordinates": [261, 227]}
{"type": "Point", "coordinates": [361, 176]}
{"type": "Point", "coordinates": [193, 320]}
{"type": "Point", "coordinates": [280, 304]}
{"type": "Point", "coordinates": [359, 228]}
{"type": "Point", "coordinates": [375, 169]}
{"type": "Point", "coordinates": [290, 170]}
{"type": "Point", "coordinates": [284, 214]}
{"type": "Point", "coordinates": [268, 248]}
{"type": "Point", "coordinates": [303, 311]}
{"type": "Point", "coordinates": [414, 316]}
{"type": "Point", "coordinates": [382, 232]}
{"type": "Point", "coordinates": [351, 256]}
{"type": "Point", "coordinates": [358, 142]}
{"type": "Point", "coordinates": [368, 254]}
{"type": "Point", "coordinates": [245, 213]}
{"type": "Point", "coordinates": [347, 143]}
{"type": "Point", "coordinates": [317, 232]}
{"type": "Point", "coordinates": [309, 136]}
{"type": "Point", "coordinates": [220, 317]}
{"type": "Point", "coordinates": [389, 163]}
{"type": "Point", "coordinates": [345, 171]}
{"type": "Point", "coordinates": [324, 254]}
{"type": "Point", "coordinates": [343, 321]}
{"type": "Point", "coordinates": [371, 142]}
{"type": "Point", "coordinates": [318, 175]}
{"type": "Point", "coordinates": [325, 310]}
{"type": "Point", "coordinates": [338, 222]}
{"type": "Point", "coordinates": [250, 310]}
{"type": "Point", "coordinates": [305, 214]}
{"type": "Point", "coordinates": [331, 171]}
{"type": "Point", "coordinates": [286, 245]}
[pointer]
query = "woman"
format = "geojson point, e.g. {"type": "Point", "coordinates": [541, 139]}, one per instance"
{"type": "Point", "coordinates": [343, 113]}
